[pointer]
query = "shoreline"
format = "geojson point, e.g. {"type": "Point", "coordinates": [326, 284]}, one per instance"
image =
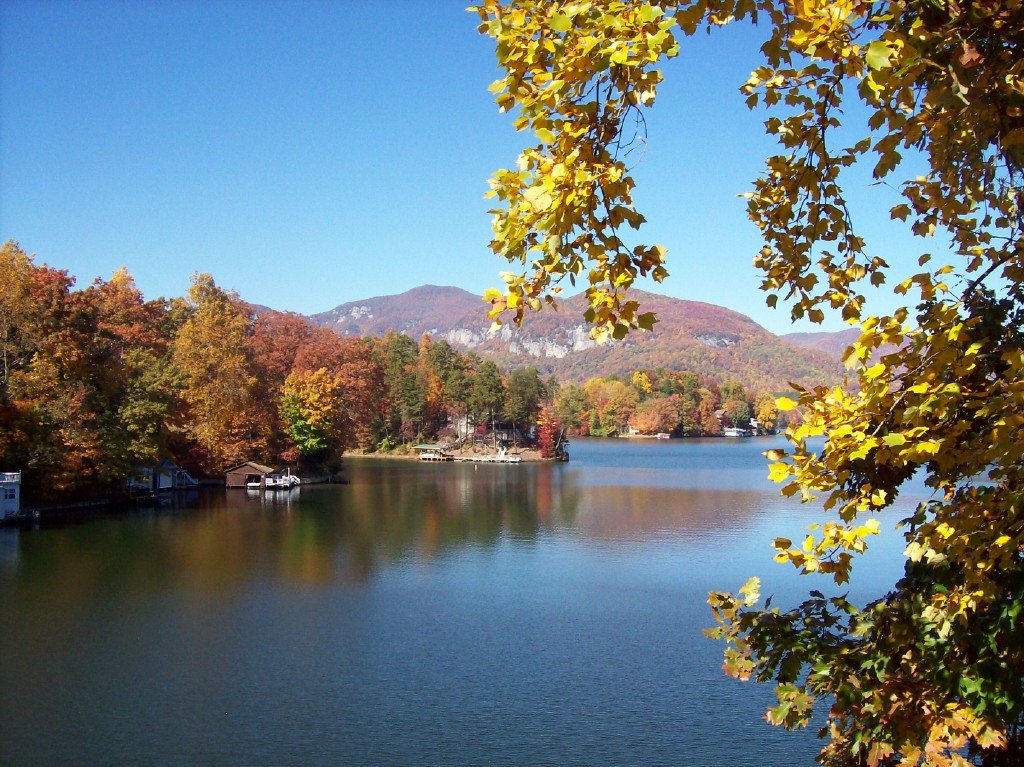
{"type": "Point", "coordinates": [37, 512]}
{"type": "Point", "coordinates": [525, 456]}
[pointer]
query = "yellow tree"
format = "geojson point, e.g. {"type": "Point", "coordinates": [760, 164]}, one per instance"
{"type": "Point", "coordinates": [766, 411]}
{"type": "Point", "coordinates": [16, 312]}
{"type": "Point", "coordinates": [611, 404]}
{"type": "Point", "coordinates": [312, 407]}
{"type": "Point", "coordinates": [211, 352]}
{"type": "Point", "coordinates": [641, 382]}
{"type": "Point", "coordinates": [931, 672]}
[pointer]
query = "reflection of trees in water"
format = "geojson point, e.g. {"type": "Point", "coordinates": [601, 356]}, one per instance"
{"type": "Point", "coordinates": [389, 513]}
{"type": "Point", "coordinates": [392, 512]}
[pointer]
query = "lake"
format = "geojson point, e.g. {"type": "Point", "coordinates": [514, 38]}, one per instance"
{"type": "Point", "coordinates": [424, 614]}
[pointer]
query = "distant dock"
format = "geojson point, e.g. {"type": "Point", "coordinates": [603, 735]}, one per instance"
{"type": "Point", "coordinates": [489, 458]}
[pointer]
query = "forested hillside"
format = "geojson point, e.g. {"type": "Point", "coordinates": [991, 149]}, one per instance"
{"type": "Point", "coordinates": [699, 337]}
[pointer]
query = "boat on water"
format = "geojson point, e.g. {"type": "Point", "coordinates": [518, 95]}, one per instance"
{"type": "Point", "coordinates": [281, 481]}
{"type": "Point", "coordinates": [661, 435]}
{"type": "Point", "coordinates": [284, 481]}
{"type": "Point", "coordinates": [735, 431]}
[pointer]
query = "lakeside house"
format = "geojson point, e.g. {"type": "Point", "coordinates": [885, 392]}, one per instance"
{"type": "Point", "coordinates": [160, 477]}
{"type": "Point", "coordinates": [10, 494]}
{"type": "Point", "coordinates": [507, 434]}
{"type": "Point", "coordinates": [246, 474]}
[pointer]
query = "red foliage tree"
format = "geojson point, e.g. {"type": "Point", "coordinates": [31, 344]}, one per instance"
{"type": "Point", "coordinates": [549, 432]}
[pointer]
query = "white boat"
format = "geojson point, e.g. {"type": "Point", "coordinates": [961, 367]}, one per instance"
{"type": "Point", "coordinates": [735, 431]}
{"type": "Point", "coordinates": [284, 481]}
{"type": "Point", "coordinates": [281, 481]}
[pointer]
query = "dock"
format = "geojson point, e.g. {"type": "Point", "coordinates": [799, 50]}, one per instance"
{"type": "Point", "coordinates": [489, 458]}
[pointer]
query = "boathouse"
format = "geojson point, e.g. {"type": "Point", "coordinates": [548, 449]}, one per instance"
{"type": "Point", "coordinates": [432, 453]}
{"type": "Point", "coordinates": [247, 473]}
{"type": "Point", "coordinates": [160, 477]}
{"type": "Point", "coordinates": [10, 494]}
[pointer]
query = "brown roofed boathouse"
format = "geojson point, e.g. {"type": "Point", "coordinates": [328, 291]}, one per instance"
{"type": "Point", "coordinates": [247, 473]}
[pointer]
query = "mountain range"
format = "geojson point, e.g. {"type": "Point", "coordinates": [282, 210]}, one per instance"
{"type": "Point", "coordinates": [691, 335]}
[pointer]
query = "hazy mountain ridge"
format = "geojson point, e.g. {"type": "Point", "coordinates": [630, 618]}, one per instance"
{"type": "Point", "coordinates": [691, 335]}
{"type": "Point", "coordinates": [426, 309]}
{"type": "Point", "coordinates": [833, 344]}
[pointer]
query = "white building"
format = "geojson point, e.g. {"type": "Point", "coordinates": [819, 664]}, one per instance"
{"type": "Point", "coordinates": [10, 494]}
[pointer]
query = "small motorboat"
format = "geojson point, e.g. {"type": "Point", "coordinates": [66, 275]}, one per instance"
{"type": "Point", "coordinates": [284, 481]}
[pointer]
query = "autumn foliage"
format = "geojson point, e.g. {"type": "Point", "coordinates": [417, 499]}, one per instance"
{"type": "Point", "coordinates": [96, 382]}
{"type": "Point", "coordinates": [649, 402]}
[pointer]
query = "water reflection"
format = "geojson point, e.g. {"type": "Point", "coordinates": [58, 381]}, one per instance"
{"type": "Point", "coordinates": [423, 614]}
{"type": "Point", "coordinates": [390, 513]}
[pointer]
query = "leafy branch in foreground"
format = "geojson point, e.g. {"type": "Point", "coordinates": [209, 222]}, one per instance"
{"type": "Point", "coordinates": [931, 672]}
{"type": "Point", "coordinates": [578, 75]}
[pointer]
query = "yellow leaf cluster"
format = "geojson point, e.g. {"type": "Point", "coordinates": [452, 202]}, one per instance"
{"type": "Point", "coordinates": [577, 74]}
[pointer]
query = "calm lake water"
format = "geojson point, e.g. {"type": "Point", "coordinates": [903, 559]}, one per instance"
{"type": "Point", "coordinates": [425, 614]}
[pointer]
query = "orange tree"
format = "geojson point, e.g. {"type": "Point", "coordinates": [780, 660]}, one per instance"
{"type": "Point", "coordinates": [930, 673]}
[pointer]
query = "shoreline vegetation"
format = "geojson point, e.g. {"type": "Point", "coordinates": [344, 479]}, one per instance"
{"type": "Point", "coordinates": [99, 383]}
{"type": "Point", "coordinates": [526, 455]}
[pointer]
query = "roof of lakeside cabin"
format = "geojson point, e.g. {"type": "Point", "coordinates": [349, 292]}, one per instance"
{"type": "Point", "coordinates": [259, 467]}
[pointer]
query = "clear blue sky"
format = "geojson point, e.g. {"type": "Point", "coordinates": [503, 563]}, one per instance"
{"type": "Point", "coordinates": [312, 153]}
